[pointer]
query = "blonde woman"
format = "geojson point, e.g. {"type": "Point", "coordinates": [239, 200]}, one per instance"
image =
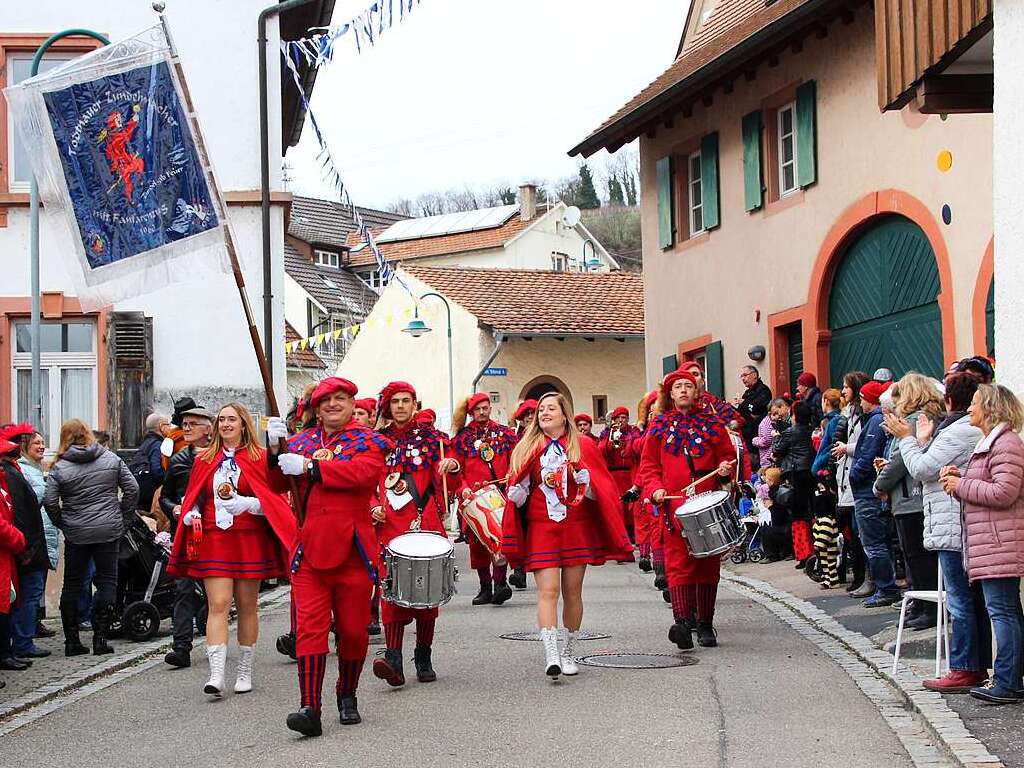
{"type": "Point", "coordinates": [234, 532]}
{"type": "Point", "coordinates": [568, 517]}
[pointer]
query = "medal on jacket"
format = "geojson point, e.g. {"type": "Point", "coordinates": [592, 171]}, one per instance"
{"type": "Point", "coordinates": [551, 479]}
{"type": "Point", "coordinates": [323, 454]}
{"type": "Point", "coordinates": [225, 491]}
{"type": "Point", "coordinates": [486, 452]}
{"type": "Point", "coordinates": [392, 480]}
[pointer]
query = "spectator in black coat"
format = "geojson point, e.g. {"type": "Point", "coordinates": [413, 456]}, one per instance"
{"type": "Point", "coordinates": [752, 406]}
{"type": "Point", "coordinates": [146, 465]}
{"type": "Point", "coordinates": [807, 390]}
{"type": "Point", "coordinates": [794, 453]}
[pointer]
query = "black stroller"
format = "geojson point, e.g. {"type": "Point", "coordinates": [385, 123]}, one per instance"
{"type": "Point", "coordinates": [145, 593]}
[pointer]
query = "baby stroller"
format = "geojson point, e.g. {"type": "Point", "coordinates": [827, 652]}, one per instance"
{"type": "Point", "coordinates": [750, 547]}
{"type": "Point", "coordinates": [145, 593]}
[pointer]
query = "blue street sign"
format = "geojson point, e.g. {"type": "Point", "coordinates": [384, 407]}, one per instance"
{"type": "Point", "coordinates": [495, 371]}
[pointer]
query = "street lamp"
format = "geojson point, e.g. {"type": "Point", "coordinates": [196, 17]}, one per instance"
{"type": "Point", "coordinates": [417, 328]}
{"type": "Point", "coordinates": [594, 263]}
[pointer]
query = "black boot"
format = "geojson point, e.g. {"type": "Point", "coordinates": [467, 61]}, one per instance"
{"type": "Point", "coordinates": [666, 596]}
{"type": "Point", "coordinates": [389, 668]}
{"type": "Point", "coordinates": [660, 579]}
{"type": "Point", "coordinates": [373, 629]}
{"type": "Point", "coordinates": [502, 593]}
{"type": "Point", "coordinates": [485, 596]}
{"type": "Point", "coordinates": [286, 645]}
{"type": "Point", "coordinates": [348, 709]}
{"type": "Point", "coordinates": [680, 634]}
{"type": "Point", "coordinates": [72, 642]}
{"type": "Point", "coordinates": [179, 657]}
{"type": "Point", "coordinates": [706, 635]}
{"type": "Point", "coordinates": [424, 669]}
{"type": "Point", "coordinates": [100, 627]}
{"type": "Point", "coordinates": [518, 578]}
{"type": "Point", "coordinates": [644, 563]}
{"type": "Point", "coordinates": [306, 721]}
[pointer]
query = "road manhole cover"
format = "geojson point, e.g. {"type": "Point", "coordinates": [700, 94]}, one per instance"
{"type": "Point", "coordinates": [534, 635]}
{"type": "Point", "coordinates": [637, 660]}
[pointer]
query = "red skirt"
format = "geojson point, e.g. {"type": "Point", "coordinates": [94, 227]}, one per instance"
{"type": "Point", "coordinates": [573, 541]}
{"type": "Point", "coordinates": [237, 553]}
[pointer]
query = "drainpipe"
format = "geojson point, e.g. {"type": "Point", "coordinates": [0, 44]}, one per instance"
{"type": "Point", "coordinates": [268, 272]}
{"type": "Point", "coordinates": [499, 341]}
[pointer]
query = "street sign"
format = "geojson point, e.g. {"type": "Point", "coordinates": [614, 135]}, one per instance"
{"type": "Point", "coordinates": [495, 371]}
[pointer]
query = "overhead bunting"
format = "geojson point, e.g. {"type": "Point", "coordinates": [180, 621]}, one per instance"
{"type": "Point", "coordinates": [350, 332]}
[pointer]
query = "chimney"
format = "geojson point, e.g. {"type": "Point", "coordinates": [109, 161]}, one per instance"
{"type": "Point", "coordinates": [527, 201]}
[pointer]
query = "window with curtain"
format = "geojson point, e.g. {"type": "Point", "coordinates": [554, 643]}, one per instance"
{"type": "Point", "coordinates": [24, 409]}
{"type": "Point", "coordinates": [76, 395]}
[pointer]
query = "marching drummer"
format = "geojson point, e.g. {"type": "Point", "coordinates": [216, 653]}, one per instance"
{"type": "Point", "coordinates": [411, 496]}
{"type": "Point", "coordinates": [686, 443]}
{"type": "Point", "coordinates": [483, 448]}
{"type": "Point", "coordinates": [337, 463]}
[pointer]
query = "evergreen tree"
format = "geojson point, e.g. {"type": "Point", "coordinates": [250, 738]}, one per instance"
{"type": "Point", "coordinates": [587, 196]}
{"type": "Point", "coordinates": [630, 185]}
{"type": "Point", "coordinates": [614, 191]}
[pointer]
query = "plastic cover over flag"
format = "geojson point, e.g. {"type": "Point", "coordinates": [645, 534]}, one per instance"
{"type": "Point", "coordinates": [119, 169]}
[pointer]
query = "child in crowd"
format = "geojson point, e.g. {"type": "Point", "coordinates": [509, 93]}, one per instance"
{"type": "Point", "coordinates": [775, 535]}
{"type": "Point", "coordinates": [826, 528]}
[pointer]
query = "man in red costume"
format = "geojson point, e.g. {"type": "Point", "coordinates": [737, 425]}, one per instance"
{"type": "Point", "coordinates": [643, 511]}
{"type": "Point", "coordinates": [685, 443]}
{"type": "Point", "coordinates": [585, 425]}
{"type": "Point", "coordinates": [337, 464]}
{"type": "Point", "coordinates": [410, 489]}
{"type": "Point", "coordinates": [615, 443]}
{"type": "Point", "coordinates": [123, 162]}
{"type": "Point", "coordinates": [525, 413]}
{"type": "Point", "coordinates": [483, 448]}
{"type": "Point", "coordinates": [709, 402]}
{"type": "Point", "coordinates": [365, 413]}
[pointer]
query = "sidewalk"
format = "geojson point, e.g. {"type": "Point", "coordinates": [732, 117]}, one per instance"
{"type": "Point", "coordinates": [998, 727]}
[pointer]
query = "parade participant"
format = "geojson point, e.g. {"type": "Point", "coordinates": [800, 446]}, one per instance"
{"type": "Point", "coordinates": [573, 520]}
{"type": "Point", "coordinates": [426, 418]}
{"type": "Point", "coordinates": [197, 426]}
{"type": "Point", "coordinates": [483, 448]}
{"type": "Point", "coordinates": [643, 511]}
{"type": "Point", "coordinates": [365, 413]}
{"type": "Point", "coordinates": [337, 463]}
{"type": "Point", "coordinates": [685, 443]}
{"type": "Point", "coordinates": [237, 533]}
{"type": "Point", "coordinates": [585, 425]}
{"type": "Point", "coordinates": [614, 445]}
{"type": "Point", "coordinates": [709, 402]}
{"type": "Point", "coordinates": [523, 417]}
{"type": "Point", "coordinates": [411, 489]}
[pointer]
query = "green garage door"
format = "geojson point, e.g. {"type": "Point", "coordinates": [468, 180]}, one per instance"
{"type": "Point", "coordinates": [990, 320]}
{"type": "Point", "coordinates": [883, 307]}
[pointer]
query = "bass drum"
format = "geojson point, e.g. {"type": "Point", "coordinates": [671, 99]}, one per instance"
{"type": "Point", "coordinates": [421, 570]}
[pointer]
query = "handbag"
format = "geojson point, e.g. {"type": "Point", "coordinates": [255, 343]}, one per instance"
{"type": "Point", "coordinates": [785, 495]}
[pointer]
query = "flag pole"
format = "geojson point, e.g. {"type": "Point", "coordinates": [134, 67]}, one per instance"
{"type": "Point", "coordinates": [229, 239]}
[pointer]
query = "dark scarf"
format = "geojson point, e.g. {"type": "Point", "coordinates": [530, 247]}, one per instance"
{"type": "Point", "coordinates": [950, 418]}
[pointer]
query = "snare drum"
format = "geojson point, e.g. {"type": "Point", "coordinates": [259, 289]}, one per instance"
{"type": "Point", "coordinates": [483, 512]}
{"type": "Point", "coordinates": [710, 523]}
{"type": "Point", "coordinates": [421, 570]}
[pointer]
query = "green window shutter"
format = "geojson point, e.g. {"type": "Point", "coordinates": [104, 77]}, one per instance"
{"type": "Point", "coordinates": [666, 210]}
{"type": "Point", "coordinates": [752, 195]}
{"type": "Point", "coordinates": [709, 179]}
{"type": "Point", "coordinates": [669, 364]}
{"type": "Point", "coordinates": [714, 372]}
{"type": "Point", "coordinates": [806, 134]}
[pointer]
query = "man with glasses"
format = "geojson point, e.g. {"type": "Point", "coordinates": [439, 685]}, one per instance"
{"type": "Point", "coordinates": [197, 426]}
{"type": "Point", "coordinates": [752, 405]}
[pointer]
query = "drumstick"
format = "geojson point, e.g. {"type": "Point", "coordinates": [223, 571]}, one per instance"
{"type": "Point", "coordinates": [695, 483]}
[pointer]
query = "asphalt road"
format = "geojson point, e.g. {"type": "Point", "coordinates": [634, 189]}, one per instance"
{"type": "Point", "coordinates": [765, 697]}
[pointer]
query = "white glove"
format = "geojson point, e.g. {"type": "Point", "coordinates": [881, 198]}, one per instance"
{"type": "Point", "coordinates": [582, 477]}
{"type": "Point", "coordinates": [191, 516]}
{"type": "Point", "coordinates": [239, 505]}
{"type": "Point", "coordinates": [276, 429]}
{"type": "Point", "coordinates": [292, 463]}
{"type": "Point", "coordinates": [518, 494]}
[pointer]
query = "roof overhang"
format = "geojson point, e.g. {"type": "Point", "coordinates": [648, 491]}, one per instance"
{"type": "Point", "coordinates": [803, 18]}
{"type": "Point", "coordinates": [293, 25]}
{"type": "Point", "coordinates": [561, 336]}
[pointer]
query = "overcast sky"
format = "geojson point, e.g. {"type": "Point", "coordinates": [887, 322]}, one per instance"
{"type": "Point", "coordinates": [480, 91]}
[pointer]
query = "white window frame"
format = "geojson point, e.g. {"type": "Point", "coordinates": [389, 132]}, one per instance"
{"type": "Point", "coordinates": [373, 280]}
{"type": "Point", "coordinates": [694, 194]}
{"type": "Point", "coordinates": [330, 259]}
{"type": "Point", "coordinates": [12, 184]}
{"type": "Point", "coordinates": [559, 261]}
{"type": "Point", "coordinates": [783, 190]}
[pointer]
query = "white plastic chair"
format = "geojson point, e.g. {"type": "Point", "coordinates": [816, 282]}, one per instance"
{"type": "Point", "coordinates": [941, 625]}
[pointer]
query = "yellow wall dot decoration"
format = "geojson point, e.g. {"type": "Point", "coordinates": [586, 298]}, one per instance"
{"type": "Point", "coordinates": [945, 160]}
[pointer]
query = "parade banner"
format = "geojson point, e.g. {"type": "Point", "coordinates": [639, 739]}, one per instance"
{"type": "Point", "coordinates": [118, 166]}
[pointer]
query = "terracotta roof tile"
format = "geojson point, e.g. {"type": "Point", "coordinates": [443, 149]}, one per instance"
{"type": "Point", "coordinates": [301, 358]}
{"type": "Point", "coordinates": [530, 301]}
{"type": "Point", "coordinates": [721, 17]}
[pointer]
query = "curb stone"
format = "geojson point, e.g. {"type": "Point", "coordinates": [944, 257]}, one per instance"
{"type": "Point", "coordinates": [142, 656]}
{"type": "Point", "coordinates": [897, 696]}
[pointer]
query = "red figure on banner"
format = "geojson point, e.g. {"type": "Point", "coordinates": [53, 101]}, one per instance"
{"type": "Point", "coordinates": [123, 163]}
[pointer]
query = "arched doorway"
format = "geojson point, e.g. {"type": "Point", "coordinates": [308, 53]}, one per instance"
{"type": "Point", "coordinates": [541, 385]}
{"type": "Point", "coordinates": [883, 307]}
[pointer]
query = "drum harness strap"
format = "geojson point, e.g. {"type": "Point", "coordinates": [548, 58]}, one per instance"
{"type": "Point", "coordinates": [693, 473]}
{"type": "Point", "coordinates": [419, 500]}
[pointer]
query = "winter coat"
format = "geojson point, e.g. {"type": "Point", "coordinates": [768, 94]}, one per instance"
{"type": "Point", "coordinates": [952, 446]}
{"type": "Point", "coordinates": [992, 490]}
{"type": "Point", "coordinates": [34, 474]}
{"type": "Point", "coordinates": [906, 496]}
{"type": "Point", "coordinates": [792, 449]}
{"type": "Point", "coordinates": [813, 399]}
{"type": "Point", "coordinates": [763, 441]}
{"type": "Point", "coordinates": [870, 446]}
{"type": "Point", "coordinates": [28, 518]}
{"type": "Point", "coordinates": [828, 439]}
{"type": "Point", "coordinates": [11, 544]}
{"type": "Point", "coordinates": [848, 430]}
{"type": "Point", "coordinates": [82, 494]}
{"type": "Point", "coordinates": [753, 408]}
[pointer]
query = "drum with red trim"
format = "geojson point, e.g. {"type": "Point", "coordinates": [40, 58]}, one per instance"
{"type": "Point", "coordinates": [483, 512]}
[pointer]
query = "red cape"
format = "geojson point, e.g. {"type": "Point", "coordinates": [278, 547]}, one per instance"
{"type": "Point", "coordinates": [611, 528]}
{"type": "Point", "coordinates": [274, 506]}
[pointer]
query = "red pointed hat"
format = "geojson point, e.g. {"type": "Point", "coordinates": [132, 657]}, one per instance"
{"type": "Point", "coordinates": [390, 390]}
{"type": "Point", "coordinates": [329, 386]}
{"type": "Point", "coordinates": [525, 407]}
{"type": "Point", "coordinates": [672, 378]}
{"type": "Point", "coordinates": [367, 404]}
{"type": "Point", "coordinates": [583, 417]}
{"type": "Point", "coordinates": [620, 411]}
{"type": "Point", "coordinates": [14, 432]}
{"type": "Point", "coordinates": [474, 400]}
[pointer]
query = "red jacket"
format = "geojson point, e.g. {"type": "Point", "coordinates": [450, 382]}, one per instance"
{"type": "Point", "coordinates": [620, 460]}
{"type": "Point", "coordinates": [466, 446]}
{"type": "Point", "coordinates": [12, 543]}
{"type": "Point", "coordinates": [416, 454]}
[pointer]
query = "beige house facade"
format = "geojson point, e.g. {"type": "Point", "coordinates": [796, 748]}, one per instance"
{"type": "Point", "coordinates": [787, 221]}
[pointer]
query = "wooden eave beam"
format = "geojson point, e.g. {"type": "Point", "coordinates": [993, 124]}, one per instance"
{"type": "Point", "coordinates": [955, 94]}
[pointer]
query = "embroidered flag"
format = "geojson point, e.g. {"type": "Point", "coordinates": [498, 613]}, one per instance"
{"type": "Point", "coordinates": [115, 156]}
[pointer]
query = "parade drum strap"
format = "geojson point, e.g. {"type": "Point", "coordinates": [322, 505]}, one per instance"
{"type": "Point", "coordinates": [419, 500]}
{"type": "Point", "coordinates": [689, 463]}
{"type": "Point", "coordinates": [490, 468]}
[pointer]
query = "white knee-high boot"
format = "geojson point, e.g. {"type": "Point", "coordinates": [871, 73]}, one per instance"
{"type": "Point", "coordinates": [243, 682]}
{"type": "Point", "coordinates": [217, 655]}
{"type": "Point", "coordinates": [568, 661]}
{"type": "Point", "coordinates": [552, 662]}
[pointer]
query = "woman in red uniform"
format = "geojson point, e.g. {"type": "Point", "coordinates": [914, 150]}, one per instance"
{"type": "Point", "coordinates": [572, 520]}
{"type": "Point", "coordinates": [686, 442]}
{"type": "Point", "coordinates": [238, 533]}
